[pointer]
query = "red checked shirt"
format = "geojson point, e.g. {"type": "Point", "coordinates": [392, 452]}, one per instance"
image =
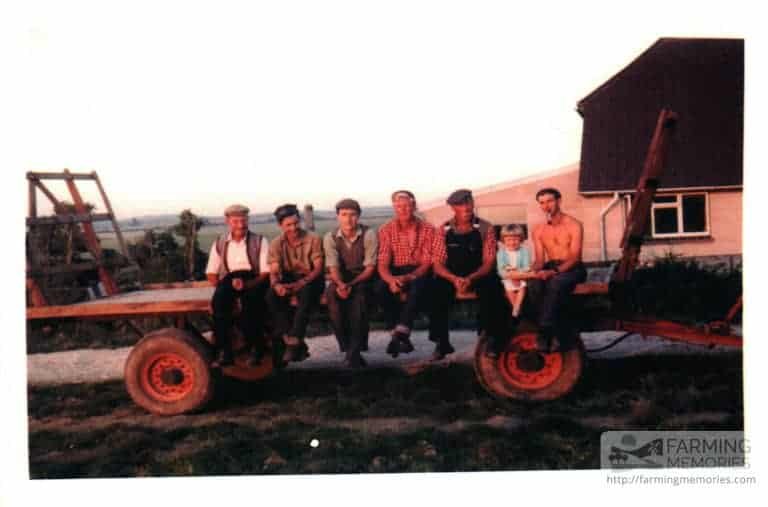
{"type": "Point", "coordinates": [399, 248]}
{"type": "Point", "coordinates": [440, 253]}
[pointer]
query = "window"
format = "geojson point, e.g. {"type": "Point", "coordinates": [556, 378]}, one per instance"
{"type": "Point", "coordinates": [680, 215]}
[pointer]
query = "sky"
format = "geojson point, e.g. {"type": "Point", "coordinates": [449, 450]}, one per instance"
{"type": "Point", "coordinates": [198, 105]}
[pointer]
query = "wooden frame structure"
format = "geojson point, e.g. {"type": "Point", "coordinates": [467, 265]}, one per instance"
{"type": "Point", "coordinates": [81, 217]}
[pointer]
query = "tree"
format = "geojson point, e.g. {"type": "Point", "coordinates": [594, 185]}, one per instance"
{"type": "Point", "coordinates": [187, 228]}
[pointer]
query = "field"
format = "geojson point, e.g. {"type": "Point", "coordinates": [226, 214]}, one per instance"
{"type": "Point", "coordinates": [208, 234]}
{"type": "Point", "coordinates": [379, 420]}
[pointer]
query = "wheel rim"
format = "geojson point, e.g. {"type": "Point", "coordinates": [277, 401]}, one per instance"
{"type": "Point", "coordinates": [167, 377]}
{"type": "Point", "coordinates": [525, 368]}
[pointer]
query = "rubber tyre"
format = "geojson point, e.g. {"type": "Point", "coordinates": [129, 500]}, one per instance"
{"type": "Point", "coordinates": [168, 372]}
{"type": "Point", "coordinates": [566, 370]}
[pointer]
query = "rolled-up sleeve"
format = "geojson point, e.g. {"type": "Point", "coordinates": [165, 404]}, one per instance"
{"type": "Point", "coordinates": [385, 255]}
{"type": "Point", "coordinates": [316, 251]}
{"type": "Point", "coordinates": [427, 244]}
{"type": "Point", "coordinates": [371, 247]}
{"type": "Point", "coordinates": [274, 253]}
{"type": "Point", "coordinates": [331, 255]}
{"type": "Point", "coordinates": [214, 261]}
{"type": "Point", "coordinates": [264, 255]}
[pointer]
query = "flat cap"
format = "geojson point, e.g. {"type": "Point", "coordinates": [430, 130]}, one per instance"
{"type": "Point", "coordinates": [285, 211]}
{"type": "Point", "coordinates": [236, 209]}
{"type": "Point", "coordinates": [403, 194]}
{"type": "Point", "coordinates": [348, 204]}
{"type": "Point", "coordinates": [461, 196]}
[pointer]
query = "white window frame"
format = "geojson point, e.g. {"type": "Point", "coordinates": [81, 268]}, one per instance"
{"type": "Point", "coordinates": [678, 205]}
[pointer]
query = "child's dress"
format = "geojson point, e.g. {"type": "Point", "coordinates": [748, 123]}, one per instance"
{"type": "Point", "coordinates": [507, 260]}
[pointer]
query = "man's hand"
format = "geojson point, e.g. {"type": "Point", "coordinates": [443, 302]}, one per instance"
{"type": "Point", "coordinates": [280, 289]}
{"type": "Point", "coordinates": [395, 285]}
{"type": "Point", "coordinates": [461, 284]}
{"type": "Point", "coordinates": [343, 290]}
{"type": "Point", "coordinates": [545, 274]}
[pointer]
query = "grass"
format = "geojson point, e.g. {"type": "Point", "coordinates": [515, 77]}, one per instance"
{"type": "Point", "coordinates": [377, 421]}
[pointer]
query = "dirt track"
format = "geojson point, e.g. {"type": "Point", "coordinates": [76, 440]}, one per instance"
{"type": "Point", "coordinates": [88, 365]}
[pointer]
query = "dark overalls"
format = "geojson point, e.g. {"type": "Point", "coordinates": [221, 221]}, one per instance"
{"type": "Point", "coordinates": [465, 256]}
{"type": "Point", "coordinates": [349, 316]}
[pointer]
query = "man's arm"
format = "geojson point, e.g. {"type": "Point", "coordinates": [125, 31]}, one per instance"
{"type": "Point", "coordinates": [370, 257]}
{"type": "Point", "coordinates": [426, 255]}
{"type": "Point", "coordinates": [489, 256]}
{"type": "Point", "coordinates": [316, 257]}
{"type": "Point", "coordinates": [440, 257]}
{"type": "Point", "coordinates": [385, 256]}
{"type": "Point", "coordinates": [212, 268]}
{"type": "Point", "coordinates": [538, 248]}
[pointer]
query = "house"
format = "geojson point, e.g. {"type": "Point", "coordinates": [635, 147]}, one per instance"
{"type": "Point", "coordinates": [698, 208]}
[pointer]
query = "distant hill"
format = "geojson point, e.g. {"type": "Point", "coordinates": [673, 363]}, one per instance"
{"type": "Point", "coordinates": [166, 220]}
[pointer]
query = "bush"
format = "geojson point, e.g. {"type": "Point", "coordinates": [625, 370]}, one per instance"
{"type": "Point", "coordinates": [676, 288]}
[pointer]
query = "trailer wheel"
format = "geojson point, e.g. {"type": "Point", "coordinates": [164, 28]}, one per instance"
{"type": "Point", "coordinates": [168, 372]}
{"type": "Point", "coordinates": [522, 373]}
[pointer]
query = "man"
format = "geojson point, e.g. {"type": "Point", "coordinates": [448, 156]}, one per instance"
{"type": "Point", "coordinates": [237, 267]}
{"type": "Point", "coordinates": [296, 269]}
{"type": "Point", "coordinates": [350, 256]}
{"type": "Point", "coordinates": [464, 260]}
{"type": "Point", "coordinates": [558, 245]}
{"type": "Point", "coordinates": [405, 259]}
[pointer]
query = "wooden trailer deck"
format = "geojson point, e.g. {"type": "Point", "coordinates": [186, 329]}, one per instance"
{"type": "Point", "coordinates": [177, 298]}
{"type": "Point", "coordinates": [148, 302]}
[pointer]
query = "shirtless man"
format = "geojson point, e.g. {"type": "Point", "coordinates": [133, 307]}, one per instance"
{"type": "Point", "coordinates": [557, 244]}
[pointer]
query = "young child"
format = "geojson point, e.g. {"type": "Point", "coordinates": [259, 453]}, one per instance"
{"type": "Point", "coordinates": [513, 262]}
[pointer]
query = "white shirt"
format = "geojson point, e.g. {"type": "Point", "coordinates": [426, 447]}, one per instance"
{"type": "Point", "coordinates": [237, 256]}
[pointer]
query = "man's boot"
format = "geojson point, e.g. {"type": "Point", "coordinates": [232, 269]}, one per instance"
{"type": "Point", "coordinates": [403, 335]}
{"type": "Point", "coordinates": [442, 349]}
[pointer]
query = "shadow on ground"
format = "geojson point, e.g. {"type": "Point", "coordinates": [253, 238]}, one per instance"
{"type": "Point", "coordinates": [381, 420]}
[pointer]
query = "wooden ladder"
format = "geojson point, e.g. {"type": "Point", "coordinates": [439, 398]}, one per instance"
{"type": "Point", "coordinates": [82, 217]}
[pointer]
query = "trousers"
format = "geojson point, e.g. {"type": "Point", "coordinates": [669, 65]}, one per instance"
{"type": "Point", "coordinates": [280, 307]}
{"type": "Point", "coordinates": [552, 295]}
{"type": "Point", "coordinates": [252, 315]}
{"type": "Point", "coordinates": [349, 317]}
{"type": "Point", "coordinates": [398, 312]}
{"type": "Point", "coordinates": [493, 312]}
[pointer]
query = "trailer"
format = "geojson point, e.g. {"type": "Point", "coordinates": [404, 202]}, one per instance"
{"type": "Point", "coordinates": [169, 370]}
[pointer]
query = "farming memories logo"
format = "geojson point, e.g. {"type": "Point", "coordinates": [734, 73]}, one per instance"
{"type": "Point", "coordinates": [673, 449]}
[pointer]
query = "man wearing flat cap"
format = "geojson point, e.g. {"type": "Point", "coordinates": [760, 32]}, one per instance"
{"type": "Point", "coordinates": [464, 258]}
{"type": "Point", "coordinates": [237, 267]}
{"type": "Point", "coordinates": [404, 264]}
{"type": "Point", "coordinates": [296, 269]}
{"type": "Point", "coordinates": [350, 256]}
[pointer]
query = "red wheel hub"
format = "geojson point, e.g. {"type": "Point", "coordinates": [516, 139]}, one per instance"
{"type": "Point", "coordinates": [525, 368]}
{"type": "Point", "coordinates": [167, 377]}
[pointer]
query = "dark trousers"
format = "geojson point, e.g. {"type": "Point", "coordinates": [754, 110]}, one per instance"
{"type": "Point", "coordinates": [349, 317]}
{"type": "Point", "coordinates": [494, 308]}
{"type": "Point", "coordinates": [251, 317]}
{"type": "Point", "coordinates": [551, 295]}
{"type": "Point", "coordinates": [280, 307]}
{"type": "Point", "coordinates": [398, 312]}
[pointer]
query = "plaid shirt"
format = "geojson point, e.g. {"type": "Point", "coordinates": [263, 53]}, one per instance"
{"type": "Point", "coordinates": [395, 249]}
{"type": "Point", "coordinates": [440, 253]}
